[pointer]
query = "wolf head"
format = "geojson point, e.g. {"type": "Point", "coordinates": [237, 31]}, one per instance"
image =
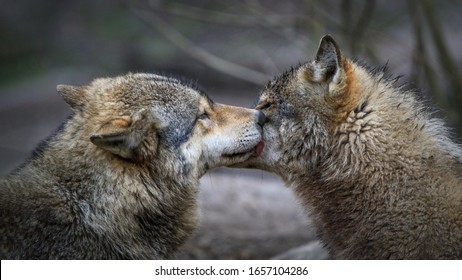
{"type": "Point", "coordinates": [139, 117]}
{"type": "Point", "coordinates": [323, 107]}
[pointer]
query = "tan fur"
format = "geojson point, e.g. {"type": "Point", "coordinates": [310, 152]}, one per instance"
{"type": "Point", "coordinates": [377, 173]}
{"type": "Point", "coordinates": [120, 179]}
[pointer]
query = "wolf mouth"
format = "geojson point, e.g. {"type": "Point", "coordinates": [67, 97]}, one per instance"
{"type": "Point", "coordinates": [256, 151]}
{"type": "Point", "coordinates": [237, 154]}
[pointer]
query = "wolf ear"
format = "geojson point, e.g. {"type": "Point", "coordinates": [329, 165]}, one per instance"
{"type": "Point", "coordinates": [122, 136]}
{"type": "Point", "coordinates": [329, 57]}
{"type": "Point", "coordinates": [328, 60]}
{"type": "Point", "coordinates": [73, 95]}
{"type": "Point", "coordinates": [330, 67]}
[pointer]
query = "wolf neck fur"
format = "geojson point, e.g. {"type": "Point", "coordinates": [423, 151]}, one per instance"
{"type": "Point", "coordinates": [126, 214]}
{"type": "Point", "coordinates": [362, 175]}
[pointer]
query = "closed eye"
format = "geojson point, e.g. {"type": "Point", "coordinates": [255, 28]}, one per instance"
{"type": "Point", "coordinates": [203, 116]}
{"type": "Point", "coordinates": [264, 106]}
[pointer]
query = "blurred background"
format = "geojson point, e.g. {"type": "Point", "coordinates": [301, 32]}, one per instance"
{"type": "Point", "coordinates": [231, 49]}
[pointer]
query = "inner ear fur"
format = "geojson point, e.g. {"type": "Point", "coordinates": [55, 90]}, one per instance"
{"type": "Point", "coordinates": [329, 67]}
{"type": "Point", "coordinates": [328, 63]}
{"type": "Point", "coordinates": [328, 57]}
{"type": "Point", "coordinates": [123, 136]}
{"type": "Point", "coordinates": [335, 73]}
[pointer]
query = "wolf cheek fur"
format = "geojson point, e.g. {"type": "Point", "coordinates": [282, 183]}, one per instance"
{"type": "Point", "coordinates": [120, 180]}
{"type": "Point", "coordinates": [377, 173]}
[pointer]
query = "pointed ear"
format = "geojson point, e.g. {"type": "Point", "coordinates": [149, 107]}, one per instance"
{"type": "Point", "coordinates": [73, 95]}
{"type": "Point", "coordinates": [122, 136]}
{"type": "Point", "coordinates": [329, 57]}
{"type": "Point", "coordinates": [328, 61]}
{"type": "Point", "coordinates": [116, 137]}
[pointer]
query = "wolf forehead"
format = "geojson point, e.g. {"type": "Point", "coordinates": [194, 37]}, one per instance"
{"type": "Point", "coordinates": [134, 91]}
{"type": "Point", "coordinates": [170, 103]}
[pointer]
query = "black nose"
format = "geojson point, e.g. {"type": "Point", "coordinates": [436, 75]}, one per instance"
{"type": "Point", "coordinates": [261, 118]}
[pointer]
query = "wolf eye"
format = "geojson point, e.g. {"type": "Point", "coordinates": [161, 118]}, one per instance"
{"type": "Point", "coordinates": [203, 116]}
{"type": "Point", "coordinates": [264, 106]}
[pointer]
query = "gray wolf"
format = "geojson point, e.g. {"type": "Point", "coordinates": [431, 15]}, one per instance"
{"type": "Point", "coordinates": [377, 173]}
{"type": "Point", "coordinates": [119, 180]}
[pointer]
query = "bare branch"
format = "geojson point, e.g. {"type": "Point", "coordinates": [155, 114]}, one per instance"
{"type": "Point", "coordinates": [447, 62]}
{"type": "Point", "coordinates": [211, 60]}
{"type": "Point", "coordinates": [420, 64]}
{"type": "Point", "coordinates": [226, 18]}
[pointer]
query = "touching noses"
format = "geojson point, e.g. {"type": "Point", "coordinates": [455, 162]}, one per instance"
{"type": "Point", "coordinates": [261, 118]}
